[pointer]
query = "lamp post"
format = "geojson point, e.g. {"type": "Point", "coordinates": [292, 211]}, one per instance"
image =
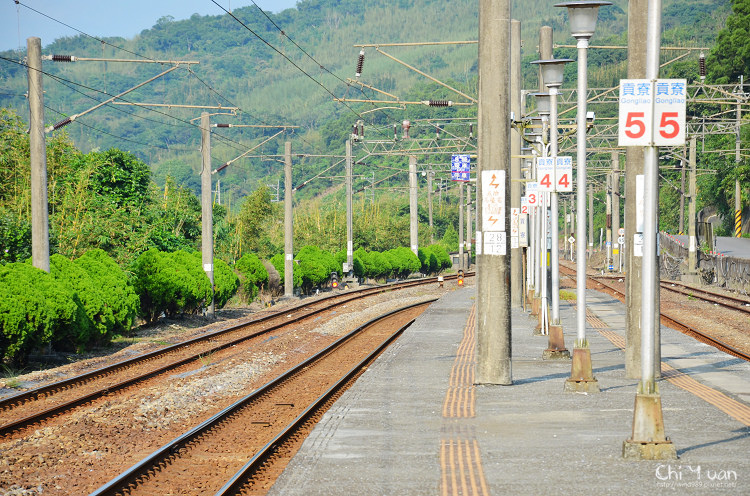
{"type": "Point", "coordinates": [582, 16]}
{"type": "Point", "coordinates": [540, 245]}
{"type": "Point", "coordinates": [552, 74]}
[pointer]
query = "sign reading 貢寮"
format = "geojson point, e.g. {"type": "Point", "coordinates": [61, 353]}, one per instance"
{"type": "Point", "coordinates": [493, 200]}
{"type": "Point", "coordinates": [652, 113]}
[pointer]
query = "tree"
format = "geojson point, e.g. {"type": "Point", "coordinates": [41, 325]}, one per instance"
{"type": "Point", "coordinates": [730, 57]}
{"type": "Point", "coordinates": [254, 275]}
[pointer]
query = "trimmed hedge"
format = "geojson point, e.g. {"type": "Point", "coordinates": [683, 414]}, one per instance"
{"type": "Point", "coordinates": [255, 275]}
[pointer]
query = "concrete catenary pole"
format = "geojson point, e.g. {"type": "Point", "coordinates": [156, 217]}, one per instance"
{"type": "Point", "coordinates": [637, 22]}
{"type": "Point", "coordinates": [616, 246]}
{"type": "Point", "coordinates": [692, 240]}
{"type": "Point", "coordinates": [591, 219]}
{"type": "Point", "coordinates": [38, 158]}
{"type": "Point", "coordinates": [738, 162]}
{"type": "Point", "coordinates": [430, 176]}
{"type": "Point", "coordinates": [493, 269]}
{"type": "Point", "coordinates": [468, 226]}
{"type": "Point", "coordinates": [349, 222]}
{"type": "Point", "coordinates": [288, 223]}
{"type": "Point", "coordinates": [461, 226]}
{"type": "Point", "coordinates": [413, 225]}
{"type": "Point", "coordinates": [648, 440]}
{"type": "Point", "coordinates": [516, 254]}
{"type": "Point", "coordinates": [207, 221]}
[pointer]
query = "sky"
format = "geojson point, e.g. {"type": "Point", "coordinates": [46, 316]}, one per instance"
{"type": "Point", "coordinates": [101, 18]}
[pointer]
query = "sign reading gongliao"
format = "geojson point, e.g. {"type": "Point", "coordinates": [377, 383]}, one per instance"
{"type": "Point", "coordinates": [652, 113]}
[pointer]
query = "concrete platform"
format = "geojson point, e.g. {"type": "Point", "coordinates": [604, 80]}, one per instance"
{"type": "Point", "coordinates": [414, 423]}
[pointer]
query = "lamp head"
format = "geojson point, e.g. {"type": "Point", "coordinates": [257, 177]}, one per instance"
{"type": "Point", "coordinates": [582, 15]}
{"type": "Point", "coordinates": [552, 71]}
{"type": "Point", "coordinates": [542, 103]}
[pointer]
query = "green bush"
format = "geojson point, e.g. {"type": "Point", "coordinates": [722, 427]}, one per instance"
{"type": "Point", "coordinates": [442, 257]}
{"type": "Point", "coordinates": [255, 275]}
{"type": "Point", "coordinates": [403, 261]}
{"type": "Point", "coordinates": [120, 302]}
{"type": "Point", "coordinates": [226, 283]}
{"type": "Point", "coordinates": [278, 262]}
{"type": "Point", "coordinates": [428, 260]}
{"type": "Point", "coordinates": [33, 307]}
{"type": "Point", "coordinates": [170, 283]}
{"type": "Point", "coordinates": [315, 266]}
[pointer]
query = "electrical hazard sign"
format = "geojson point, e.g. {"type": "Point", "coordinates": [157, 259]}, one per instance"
{"type": "Point", "coordinates": [493, 200]}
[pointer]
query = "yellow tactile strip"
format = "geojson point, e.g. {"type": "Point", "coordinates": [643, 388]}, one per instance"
{"type": "Point", "coordinates": [730, 406]}
{"type": "Point", "coordinates": [460, 458]}
{"type": "Point", "coordinates": [462, 472]}
{"type": "Point", "coordinates": [459, 398]}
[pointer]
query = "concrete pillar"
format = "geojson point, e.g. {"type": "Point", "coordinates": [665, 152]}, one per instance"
{"type": "Point", "coordinates": [493, 271]}
{"type": "Point", "coordinates": [38, 158]}
{"type": "Point", "coordinates": [413, 226]}
{"type": "Point", "coordinates": [349, 208]}
{"type": "Point", "coordinates": [516, 254]}
{"type": "Point", "coordinates": [461, 225]}
{"type": "Point", "coordinates": [207, 222]}
{"type": "Point", "coordinates": [288, 223]}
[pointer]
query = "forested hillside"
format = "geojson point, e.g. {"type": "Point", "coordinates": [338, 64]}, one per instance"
{"type": "Point", "coordinates": [285, 69]}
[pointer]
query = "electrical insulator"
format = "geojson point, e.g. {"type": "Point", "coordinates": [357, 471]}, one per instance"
{"type": "Point", "coordinates": [471, 130]}
{"type": "Point", "coordinates": [221, 168]}
{"type": "Point", "coordinates": [361, 130]}
{"type": "Point", "coordinates": [63, 58]}
{"type": "Point", "coordinates": [702, 66]}
{"type": "Point", "coordinates": [440, 103]}
{"type": "Point", "coordinates": [360, 62]}
{"type": "Point", "coordinates": [354, 132]}
{"type": "Point", "coordinates": [223, 125]}
{"type": "Point", "coordinates": [437, 131]}
{"type": "Point", "coordinates": [405, 126]}
{"type": "Point", "coordinates": [395, 132]}
{"type": "Point", "coordinates": [62, 123]}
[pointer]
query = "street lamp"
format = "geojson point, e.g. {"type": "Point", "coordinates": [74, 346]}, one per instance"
{"type": "Point", "coordinates": [552, 74]}
{"type": "Point", "coordinates": [582, 16]}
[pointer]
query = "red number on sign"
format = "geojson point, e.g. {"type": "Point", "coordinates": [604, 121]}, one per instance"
{"type": "Point", "coordinates": [667, 120]}
{"type": "Point", "coordinates": [532, 199]}
{"type": "Point", "coordinates": [563, 181]}
{"type": "Point", "coordinates": [524, 209]}
{"type": "Point", "coordinates": [546, 181]}
{"type": "Point", "coordinates": [632, 121]}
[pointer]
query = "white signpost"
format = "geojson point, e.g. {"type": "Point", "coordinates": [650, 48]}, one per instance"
{"type": "Point", "coordinates": [493, 212]}
{"type": "Point", "coordinates": [564, 174]}
{"type": "Point", "coordinates": [652, 113]}
{"type": "Point", "coordinates": [545, 173]}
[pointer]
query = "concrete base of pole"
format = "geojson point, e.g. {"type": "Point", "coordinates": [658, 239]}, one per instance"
{"type": "Point", "coordinates": [536, 304]}
{"type": "Point", "coordinates": [648, 441]}
{"type": "Point", "coordinates": [556, 347]}
{"type": "Point", "coordinates": [581, 378]}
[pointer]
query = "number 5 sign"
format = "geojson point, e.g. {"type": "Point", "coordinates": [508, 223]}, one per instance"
{"type": "Point", "coordinates": [652, 113]}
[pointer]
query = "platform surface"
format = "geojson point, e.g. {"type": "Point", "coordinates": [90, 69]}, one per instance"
{"type": "Point", "coordinates": [414, 424]}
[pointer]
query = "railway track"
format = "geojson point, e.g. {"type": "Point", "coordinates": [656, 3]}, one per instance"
{"type": "Point", "coordinates": [234, 451]}
{"type": "Point", "coordinates": [672, 321]}
{"type": "Point", "coordinates": [31, 407]}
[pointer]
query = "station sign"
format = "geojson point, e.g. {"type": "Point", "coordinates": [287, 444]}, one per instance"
{"type": "Point", "coordinates": [532, 194]}
{"type": "Point", "coordinates": [460, 167]}
{"type": "Point", "coordinates": [652, 113]}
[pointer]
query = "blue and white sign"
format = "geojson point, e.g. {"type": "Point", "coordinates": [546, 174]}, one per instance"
{"type": "Point", "coordinates": [460, 167]}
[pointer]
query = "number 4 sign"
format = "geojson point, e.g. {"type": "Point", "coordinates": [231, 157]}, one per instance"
{"type": "Point", "coordinates": [564, 174]}
{"type": "Point", "coordinates": [652, 113]}
{"type": "Point", "coordinates": [555, 176]}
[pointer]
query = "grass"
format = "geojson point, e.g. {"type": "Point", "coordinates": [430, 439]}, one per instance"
{"type": "Point", "coordinates": [11, 377]}
{"type": "Point", "coordinates": [567, 295]}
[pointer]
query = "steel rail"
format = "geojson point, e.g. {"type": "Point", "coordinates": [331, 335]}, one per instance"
{"type": "Point", "coordinates": [46, 390]}
{"type": "Point", "coordinates": [130, 477]}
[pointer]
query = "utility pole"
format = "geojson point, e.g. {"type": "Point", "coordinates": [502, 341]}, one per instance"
{"type": "Point", "coordinates": [692, 241]}
{"type": "Point", "coordinates": [38, 158]}
{"type": "Point", "coordinates": [682, 193]}
{"type": "Point", "coordinates": [349, 207]}
{"type": "Point", "coordinates": [608, 222]}
{"type": "Point", "coordinates": [516, 254]}
{"type": "Point", "coordinates": [591, 219]}
{"type": "Point", "coordinates": [648, 440]}
{"type": "Point", "coordinates": [430, 175]}
{"type": "Point", "coordinates": [288, 223]}
{"type": "Point", "coordinates": [737, 162]}
{"type": "Point", "coordinates": [637, 23]}
{"type": "Point", "coordinates": [413, 226]}
{"type": "Point", "coordinates": [493, 263]}
{"type": "Point", "coordinates": [461, 225]}
{"type": "Point", "coordinates": [468, 226]}
{"type": "Point", "coordinates": [616, 245]}
{"type": "Point", "coordinates": [207, 222]}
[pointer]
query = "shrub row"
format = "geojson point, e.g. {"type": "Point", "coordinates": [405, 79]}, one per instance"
{"type": "Point", "coordinates": [78, 304]}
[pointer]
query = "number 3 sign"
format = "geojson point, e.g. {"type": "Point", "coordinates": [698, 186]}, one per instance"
{"type": "Point", "coordinates": [652, 112]}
